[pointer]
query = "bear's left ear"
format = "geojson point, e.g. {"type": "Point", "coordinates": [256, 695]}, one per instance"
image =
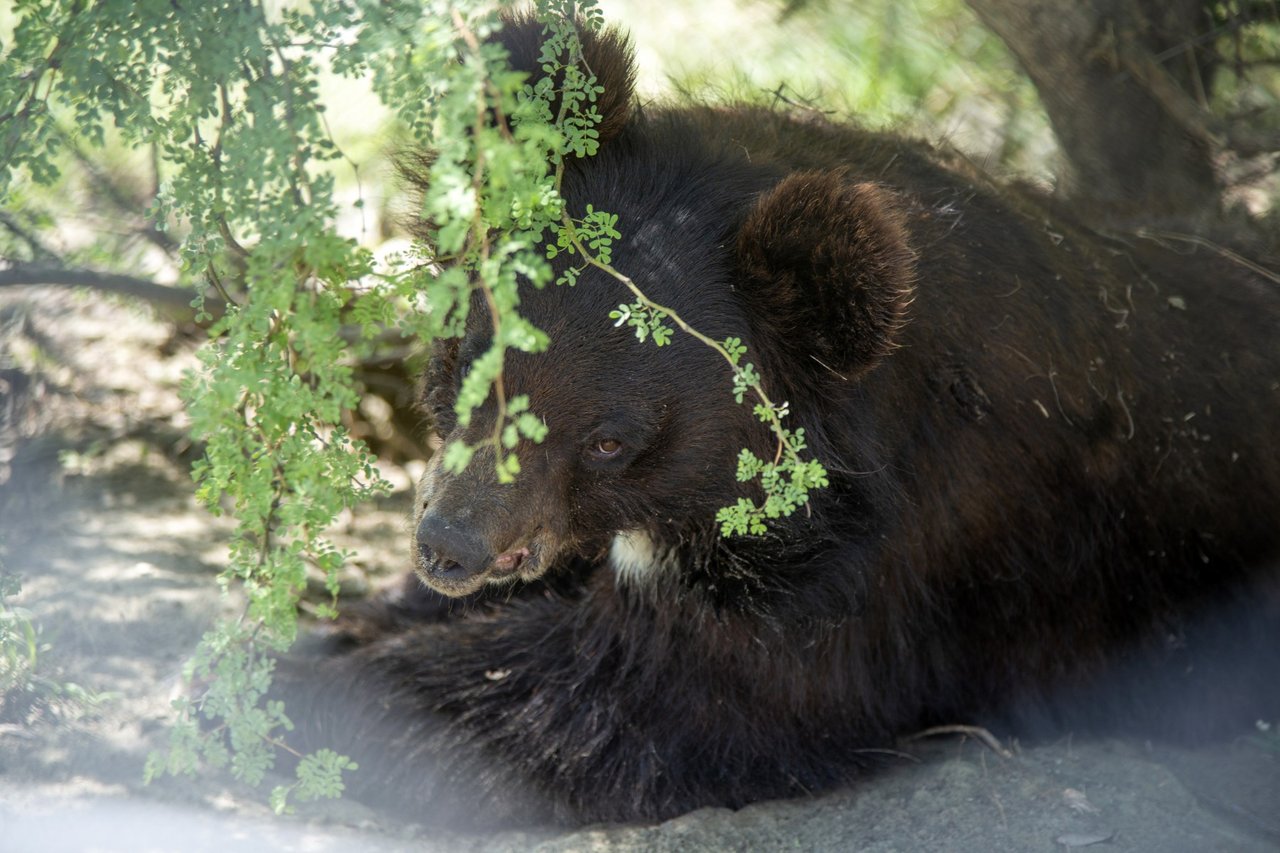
{"type": "Point", "coordinates": [607, 53]}
{"type": "Point", "coordinates": [827, 266]}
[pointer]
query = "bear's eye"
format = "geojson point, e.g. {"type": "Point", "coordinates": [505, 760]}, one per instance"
{"type": "Point", "coordinates": [606, 448]}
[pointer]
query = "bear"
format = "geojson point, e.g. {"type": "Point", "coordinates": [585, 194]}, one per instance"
{"type": "Point", "coordinates": [1050, 460]}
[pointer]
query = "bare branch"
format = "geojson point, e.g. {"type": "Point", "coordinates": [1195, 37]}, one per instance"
{"type": "Point", "coordinates": [107, 188]}
{"type": "Point", "coordinates": [173, 302]}
{"type": "Point", "coordinates": [1159, 234]}
{"type": "Point", "coordinates": [1193, 118]}
{"type": "Point", "coordinates": [39, 249]}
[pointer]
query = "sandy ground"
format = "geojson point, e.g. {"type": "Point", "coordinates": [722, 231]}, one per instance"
{"type": "Point", "coordinates": [117, 561]}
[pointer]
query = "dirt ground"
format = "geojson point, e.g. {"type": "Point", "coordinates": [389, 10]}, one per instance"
{"type": "Point", "coordinates": [117, 562]}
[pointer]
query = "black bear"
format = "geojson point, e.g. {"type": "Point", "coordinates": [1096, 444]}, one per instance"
{"type": "Point", "coordinates": [1051, 451]}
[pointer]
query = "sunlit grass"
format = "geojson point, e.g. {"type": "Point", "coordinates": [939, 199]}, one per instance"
{"type": "Point", "coordinates": [924, 67]}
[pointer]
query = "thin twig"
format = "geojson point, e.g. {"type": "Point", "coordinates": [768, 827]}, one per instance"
{"type": "Point", "coordinates": [671, 314]}
{"type": "Point", "coordinates": [479, 232]}
{"type": "Point", "coordinates": [976, 732]}
{"type": "Point", "coordinates": [1160, 234]}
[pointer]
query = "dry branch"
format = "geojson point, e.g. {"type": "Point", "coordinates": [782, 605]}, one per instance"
{"type": "Point", "coordinates": [173, 302]}
{"type": "Point", "coordinates": [1183, 108]}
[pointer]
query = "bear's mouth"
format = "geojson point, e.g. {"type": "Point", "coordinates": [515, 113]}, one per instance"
{"type": "Point", "coordinates": [517, 561]}
{"type": "Point", "coordinates": [452, 578]}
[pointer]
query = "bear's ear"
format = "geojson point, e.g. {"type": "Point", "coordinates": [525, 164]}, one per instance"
{"type": "Point", "coordinates": [607, 53]}
{"type": "Point", "coordinates": [826, 263]}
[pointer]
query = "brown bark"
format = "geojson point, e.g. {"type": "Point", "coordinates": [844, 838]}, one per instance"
{"type": "Point", "coordinates": [1115, 78]}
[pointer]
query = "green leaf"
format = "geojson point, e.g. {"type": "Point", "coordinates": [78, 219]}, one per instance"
{"type": "Point", "coordinates": [457, 456]}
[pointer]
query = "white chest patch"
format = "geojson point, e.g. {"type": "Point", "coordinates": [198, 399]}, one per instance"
{"type": "Point", "coordinates": [635, 557]}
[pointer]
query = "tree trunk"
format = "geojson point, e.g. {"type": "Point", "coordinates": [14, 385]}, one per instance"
{"type": "Point", "coordinates": [1113, 76]}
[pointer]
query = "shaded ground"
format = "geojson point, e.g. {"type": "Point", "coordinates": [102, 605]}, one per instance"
{"type": "Point", "coordinates": [117, 562]}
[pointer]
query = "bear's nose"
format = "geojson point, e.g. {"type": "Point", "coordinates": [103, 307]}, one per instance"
{"type": "Point", "coordinates": [450, 550]}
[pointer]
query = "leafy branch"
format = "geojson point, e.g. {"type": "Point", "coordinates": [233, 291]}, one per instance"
{"type": "Point", "coordinates": [786, 480]}
{"type": "Point", "coordinates": [511, 149]}
{"type": "Point", "coordinates": [238, 133]}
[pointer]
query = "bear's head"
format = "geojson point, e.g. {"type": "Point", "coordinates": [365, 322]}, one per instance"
{"type": "Point", "coordinates": [811, 269]}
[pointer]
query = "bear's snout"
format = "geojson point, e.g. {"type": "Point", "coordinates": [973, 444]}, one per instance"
{"type": "Point", "coordinates": [451, 554]}
{"type": "Point", "coordinates": [455, 557]}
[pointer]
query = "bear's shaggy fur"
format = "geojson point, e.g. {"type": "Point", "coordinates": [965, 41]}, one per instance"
{"type": "Point", "coordinates": [1052, 458]}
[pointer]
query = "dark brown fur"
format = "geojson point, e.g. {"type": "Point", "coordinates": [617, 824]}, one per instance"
{"type": "Point", "coordinates": [1055, 493]}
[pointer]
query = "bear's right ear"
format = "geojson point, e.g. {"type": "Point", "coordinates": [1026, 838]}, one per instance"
{"type": "Point", "coordinates": [607, 53]}
{"type": "Point", "coordinates": [827, 267]}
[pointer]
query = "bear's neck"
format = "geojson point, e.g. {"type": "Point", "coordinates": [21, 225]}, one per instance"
{"type": "Point", "coordinates": [742, 574]}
